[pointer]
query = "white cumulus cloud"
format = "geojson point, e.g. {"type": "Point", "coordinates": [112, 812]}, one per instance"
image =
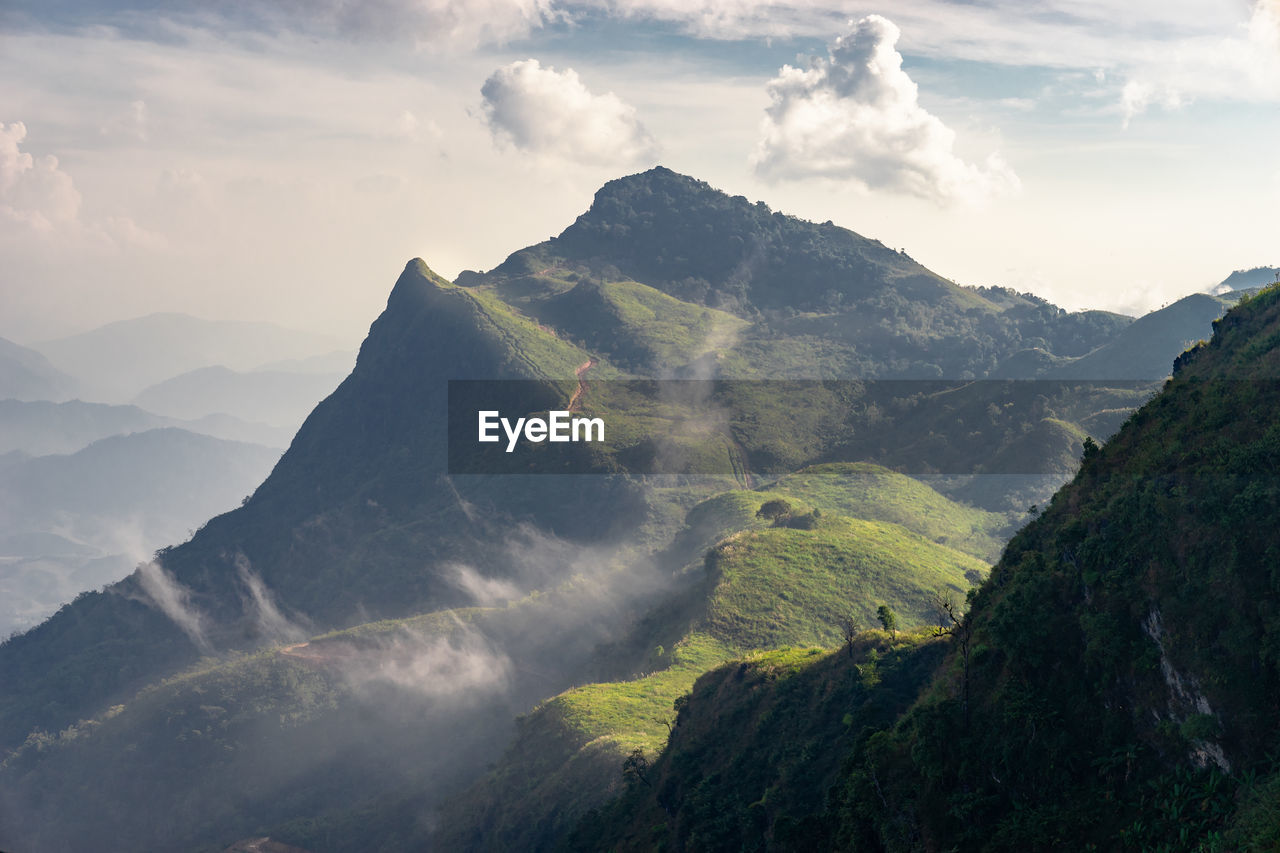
{"type": "Point", "coordinates": [545, 111]}
{"type": "Point", "coordinates": [855, 116]}
{"type": "Point", "coordinates": [33, 190]}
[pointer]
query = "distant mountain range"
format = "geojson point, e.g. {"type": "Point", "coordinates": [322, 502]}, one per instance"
{"type": "Point", "coordinates": [1250, 278]}
{"type": "Point", "coordinates": [337, 661]}
{"type": "Point", "coordinates": [37, 419]}
{"type": "Point", "coordinates": [27, 375]}
{"type": "Point", "coordinates": [276, 397]}
{"type": "Point", "coordinates": [74, 522]}
{"type": "Point", "coordinates": [41, 428]}
{"type": "Point", "coordinates": [1140, 350]}
{"type": "Point", "coordinates": [117, 361]}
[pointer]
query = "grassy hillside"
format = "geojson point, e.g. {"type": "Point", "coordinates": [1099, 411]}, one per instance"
{"type": "Point", "coordinates": [264, 731]}
{"type": "Point", "coordinates": [862, 490]}
{"type": "Point", "coordinates": [759, 589]}
{"type": "Point", "coordinates": [632, 324]}
{"type": "Point", "coordinates": [782, 587]}
{"type": "Point", "coordinates": [339, 721]}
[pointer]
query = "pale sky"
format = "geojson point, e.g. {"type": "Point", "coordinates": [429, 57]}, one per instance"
{"type": "Point", "coordinates": [281, 160]}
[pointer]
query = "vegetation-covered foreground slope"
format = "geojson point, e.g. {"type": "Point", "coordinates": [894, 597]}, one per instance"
{"type": "Point", "coordinates": [762, 588]}
{"type": "Point", "coordinates": [1113, 685]}
{"type": "Point", "coordinates": [756, 745]}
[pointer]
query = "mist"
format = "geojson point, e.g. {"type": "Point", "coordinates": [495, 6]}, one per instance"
{"type": "Point", "coordinates": [261, 606]}
{"type": "Point", "coordinates": [464, 665]}
{"type": "Point", "coordinates": [174, 600]}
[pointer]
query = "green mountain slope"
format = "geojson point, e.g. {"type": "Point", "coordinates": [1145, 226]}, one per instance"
{"type": "Point", "coordinates": [1113, 684]}
{"type": "Point", "coordinates": [861, 490]}
{"type": "Point", "coordinates": [705, 247]}
{"type": "Point", "coordinates": [640, 327]}
{"type": "Point", "coordinates": [1141, 351]}
{"type": "Point", "coordinates": [228, 748]}
{"type": "Point", "coordinates": [758, 589]}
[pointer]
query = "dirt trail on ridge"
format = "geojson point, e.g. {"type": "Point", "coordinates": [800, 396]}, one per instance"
{"type": "Point", "coordinates": [575, 402]}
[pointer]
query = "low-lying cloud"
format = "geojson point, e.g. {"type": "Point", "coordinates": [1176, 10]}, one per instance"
{"type": "Point", "coordinates": [261, 606]}
{"type": "Point", "coordinates": [484, 591]}
{"type": "Point", "coordinates": [855, 117]}
{"type": "Point", "coordinates": [548, 112]}
{"type": "Point", "coordinates": [464, 664]}
{"type": "Point", "coordinates": [174, 600]}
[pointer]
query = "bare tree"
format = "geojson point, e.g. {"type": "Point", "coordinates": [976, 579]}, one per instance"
{"type": "Point", "coordinates": [953, 621]}
{"type": "Point", "coordinates": [848, 630]}
{"type": "Point", "coordinates": [636, 768]}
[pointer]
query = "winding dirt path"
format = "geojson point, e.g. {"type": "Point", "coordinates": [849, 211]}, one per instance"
{"type": "Point", "coordinates": [575, 402]}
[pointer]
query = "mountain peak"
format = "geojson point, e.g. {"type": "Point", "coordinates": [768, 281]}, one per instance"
{"type": "Point", "coordinates": [419, 267]}
{"type": "Point", "coordinates": [685, 237]}
{"type": "Point", "coordinates": [417, 282]}
{"type": "Point", "coordinates": [671, 190]}
{"type": "Point", "coordinates": [657, 177]}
